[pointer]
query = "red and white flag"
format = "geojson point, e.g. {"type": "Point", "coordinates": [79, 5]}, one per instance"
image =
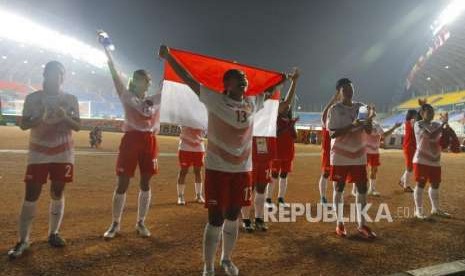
{"type": "Point", "coordinates": [181, 106]}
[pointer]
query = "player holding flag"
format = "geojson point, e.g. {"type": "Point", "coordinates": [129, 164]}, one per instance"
{"type": "Point", "coordinates": [138, 146]}
{"type": "Point", "coordinates": [228, 160]}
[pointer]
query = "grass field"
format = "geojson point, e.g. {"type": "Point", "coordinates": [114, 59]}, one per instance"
{"type": "Point", "coordinates": [300, 248]}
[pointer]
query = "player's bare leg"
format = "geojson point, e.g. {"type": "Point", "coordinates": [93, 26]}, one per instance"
{"type": "Point", "coordinates": [119, 200]}
{"type": "Point", "coordinates": [373, 174]}
{"type": "Point", "coordinates": [28, 211]}
{"type": "Point", "coordinates": [338, 205]}
{"type": "Point", "coordinates": [181, 185]}
{"type": "Point", "coordinates": [198, 185]}
{"type": "Point", "coordinates": [145, 196]}
{"type": "Point", "coordinates": [361, 201]}
{"type": "Point", "coordinates": [57, 206]}
{"type": "Point", "coordinates": [259, 206]}
{"type": "Point", "coordinates": [434, 197]}
{"type": "Point", "coordinates": [418, 199]}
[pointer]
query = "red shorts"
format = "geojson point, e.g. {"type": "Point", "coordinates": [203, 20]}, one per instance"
{"type": "Point", "coordinates": [59, 172]}
{"type": "Point", "coordinates": [137, 148]}
{"type": "Point", "coordinates": [261, 173]}
{"type": "Point", "coordinates": [190, 158]}
{"type": "Point", "coordinates": [408, 156]}
{"type": "Point", "coordinates": [425, 173]}
{"type": "Point", "coordinates": [281, 166]}
{"type": "Point", "coordinates": [225, 190]}
{"type": "Point", "coordinates": [325, 162]}
{"type": "Point", "coordinates": [373, 160]}
{"type": "Point", "coordinates": [349, 174]}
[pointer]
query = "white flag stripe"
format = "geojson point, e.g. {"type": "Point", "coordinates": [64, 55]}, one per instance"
{"type": "Point", "coordinates": [180, 106]}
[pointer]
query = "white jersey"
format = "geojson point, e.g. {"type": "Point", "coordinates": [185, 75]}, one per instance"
{"type": "Point", "coordinates": [428, 150]}
{"type": "Point", "coordinates": [50, 143]}
{"type": "Point", "coordinates": [230, 125]}
{"type": "Point", "coordinates": [140, 114]}
{"type": "Point", "coordinates": [373, 139]}
{"type": "Point", "coordinates": [350, 148]}
{"type": "Point", "coordinates": [191, 139]}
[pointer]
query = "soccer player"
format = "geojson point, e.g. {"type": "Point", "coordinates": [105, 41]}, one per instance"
{"type": "Point", "coordinates": [285, 138]}
{"type": "Point", "coordinates": [228, 162]}
{"type": "Point", "coordinates": [348, 154]}
{"type": "Point", "coordinates": [373, 160]}
{"type": "Point", "coordinates": [190, 153]}
{"type": "Point", "coordinates": [408, 146]}
{"type": "Point", "coordinates": [263, 153]}
{"type": "Point", "coordinates": [430, 136]}
{"type": "Point", "coordinates": [138, 145]}
{"type": "Point", "coordinates": [51, 115]}
{"type": "Point", "coordinates": [325, 150]}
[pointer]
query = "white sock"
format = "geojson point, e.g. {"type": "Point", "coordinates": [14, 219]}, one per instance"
{"type": "Point", "coordinates": [181, 188]}
{"type": "Point", "coordinates": [259, 203]}
{"type": "Point", "coordinates": [322, 186]}
{"type": "Point", "coordinates": [354, 188]}
{"type": "Point", "coordinates": [198, 189]}
{"type": "Point", "coordinates": [372, 184]}
{"type": "Point", "coordinates": [338, 204]}
{"type": "Point", "coordinates": [230, 233]}
{"type": "Point", "coordinates": [57, 208]}
{"type": "Point", "coordinates": [418, 198]}
{"type": "Point", "coordinates": [211, 237]}
{"type": "Point", "coordinates": [361, 201]}
{"type": "Point", "coordinates": [144, 204]}
{"type": "Point", "coordinates": [270, 188]}
{"type": "Point", "coordinates": [434, 197]}
{"type": "Point", "coordinates": [26, 216]}
{"type": "Point", "coordinates": [282, 187]}
{"type": "Point", "coordinates": [245, 211]}
{"type": "Point", "coordinates": [118, 205]}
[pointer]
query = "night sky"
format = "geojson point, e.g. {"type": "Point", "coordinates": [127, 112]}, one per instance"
{"type": "Point", "coordinates": [373, 42]}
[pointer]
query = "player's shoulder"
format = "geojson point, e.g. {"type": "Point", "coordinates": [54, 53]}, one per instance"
{"type": "Point", "coordinates": [35, 94]}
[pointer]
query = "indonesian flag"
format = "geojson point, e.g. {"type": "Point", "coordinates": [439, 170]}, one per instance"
{"type": "Point", "coordinates": [181, 106]}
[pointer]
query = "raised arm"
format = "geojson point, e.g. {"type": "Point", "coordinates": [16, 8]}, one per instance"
{"type": "Point", "coordinates": [117, 80]}
{"type": "Point", "coordinates": [284, 105]}
{"type": "Point", "coordinates": [391, 130]}
{"type": "Point", "coordinates": [182, 72]}
{"type": "Point", "coordinates": [333, 100]}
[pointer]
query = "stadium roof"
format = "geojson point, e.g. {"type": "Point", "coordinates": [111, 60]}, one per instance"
{"type": "Point", "coordinates": [442, 67]}
{"type": "Point", "coordinates": [437, 100]}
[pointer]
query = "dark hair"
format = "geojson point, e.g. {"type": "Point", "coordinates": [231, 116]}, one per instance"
{"type": "Point", "coordinates": [233, 74]}
{"type": "Point", "coordinates": [411, 114]}
{"type": "Point", "coordinates": [426, 106]}
{"type": "Point", "coordinates": [54, 65]}
{"type": "Point", "coordinates": [141, 72]}
{"type": "Point", "coordinates": [342, 82]}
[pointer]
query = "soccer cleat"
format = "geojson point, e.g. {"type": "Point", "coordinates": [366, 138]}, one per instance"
{"type": "Point", "coordinates": [247, 225]}
{"type": "Point", "coordinates": [366, 232]}
{"type": "Point", "coordinates": [199, 198]}
{"type": "Point", "coordinates": [181, 200]}
{"type": "Point", "coordinates": [269, 204]}
{"type": "Point", "coordinates": [406, 189]}
{"type": "Point", "coordinates": [341, 230]}
{"type": "Point", "coordinates": [229, 268]}
{"type": "Point", "coordinates": [142, 230]}
{"type": "Point", "coordinates": [373, 192]}
{"type": "Point", "coordinates": [260, 225]}
{"type": "Point", "coordinates": [56, 241]}
{"type": "Point", "coordinates": [282, 203]}
{"type": "Point", "coordinates": [440, 213]}
{"type": "Point", "coordinates": [208, 272]}
{"type": "Point", "coordinates": [18, 250]}
{"type": "Point", "coordinates": [323, 200]}
{"type": "Point", "coordinates": [112, 231]}
{"type": "Point", "coordinates": [420, 216]}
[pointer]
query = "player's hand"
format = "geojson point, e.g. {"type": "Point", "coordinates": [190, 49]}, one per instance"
{"type": "Point", "coordinates": [444, 117]}
{"type": "Point", "coordinates": [356, 123]}
{"type": "Point", "coordinates": [371, 111]}
{"type": "Point", "coordinates": [397, 125]}
{"type": "Point", "coordinates": [164, 51]}
{"type": "Point", "coordinates": [422, 101]}
{"type": "Point", "coordinates": [294, 75]}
